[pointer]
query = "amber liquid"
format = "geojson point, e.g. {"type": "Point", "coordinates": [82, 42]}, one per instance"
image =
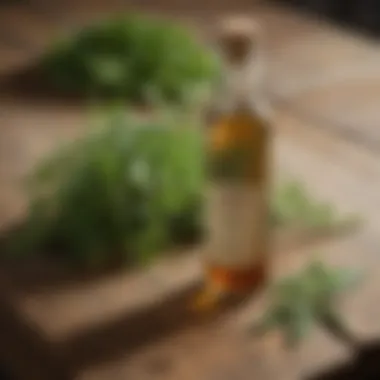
{"type": "Point", "coordinates": [238, 281]}
{"type": "Point", "coordinates": [244, 129]}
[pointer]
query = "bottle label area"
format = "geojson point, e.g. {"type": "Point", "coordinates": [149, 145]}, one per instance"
{"type": "Point", "coordinates": [235, 216]}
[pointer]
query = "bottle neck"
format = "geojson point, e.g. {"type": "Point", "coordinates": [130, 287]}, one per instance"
{"type": "Point", "coordinates": [241, 87]}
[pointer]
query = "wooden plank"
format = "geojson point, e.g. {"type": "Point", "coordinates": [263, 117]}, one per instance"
{"type": "Point", "coordinates": [26, 29]}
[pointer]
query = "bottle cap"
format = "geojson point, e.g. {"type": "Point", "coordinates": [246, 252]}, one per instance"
{"type": "Point", "coordinates": [238, 38]}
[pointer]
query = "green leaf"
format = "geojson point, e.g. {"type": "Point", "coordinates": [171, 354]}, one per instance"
{"type": "Point", "coordinates": [292, 205]}
{"type": "Point", "coordinates": [273, 318]}
{"type": "Point", "coordinates": [307, 298]}
{"type": "Point", "coordinates": [299, 324]}
{"type": "Point", "coordinates": [334, 325]}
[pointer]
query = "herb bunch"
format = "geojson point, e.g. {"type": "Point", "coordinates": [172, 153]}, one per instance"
{"type": "Point", "coordinates": [121, 193]}
{"type": "Point", "coordinates": [135, 57]}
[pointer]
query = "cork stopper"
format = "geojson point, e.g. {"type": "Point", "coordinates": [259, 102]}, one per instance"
{"type": "Point", "coordinates": [238, 39]}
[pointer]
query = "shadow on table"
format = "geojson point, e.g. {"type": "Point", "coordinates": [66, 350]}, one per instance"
{"type": "Point", "coordinates": [365, 366]}
{"type": "Point", "coordinates": [131, 332]}
{"type": "Point", "coordinates": [27, 83]}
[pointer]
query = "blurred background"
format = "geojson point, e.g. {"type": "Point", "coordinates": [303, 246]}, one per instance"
{"type": "Point", "coordinates": [322, 70]}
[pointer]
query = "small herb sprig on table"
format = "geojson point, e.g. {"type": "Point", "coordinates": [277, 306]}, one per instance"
{"type": "Point", "coordinates": [307, 298]}
{"type": "Point", "coordinates": [293, 205]}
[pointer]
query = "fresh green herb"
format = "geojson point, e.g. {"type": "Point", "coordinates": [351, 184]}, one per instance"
{"type": "Point", "coordinates": [293, 205]}
{"type": "Point", "coordinates": [116, 194]}
{"type": "Point", "coordinates": [136, 57]}
{"type": "Point", "coordinates": [307, 298]}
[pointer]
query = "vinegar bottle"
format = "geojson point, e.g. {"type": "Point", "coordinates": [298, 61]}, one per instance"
{"type": "Point", "coordinates": [237, 244]}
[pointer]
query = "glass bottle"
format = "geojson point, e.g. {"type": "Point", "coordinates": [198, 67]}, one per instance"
{"type": "Point", "coordinates": [238, 142]}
